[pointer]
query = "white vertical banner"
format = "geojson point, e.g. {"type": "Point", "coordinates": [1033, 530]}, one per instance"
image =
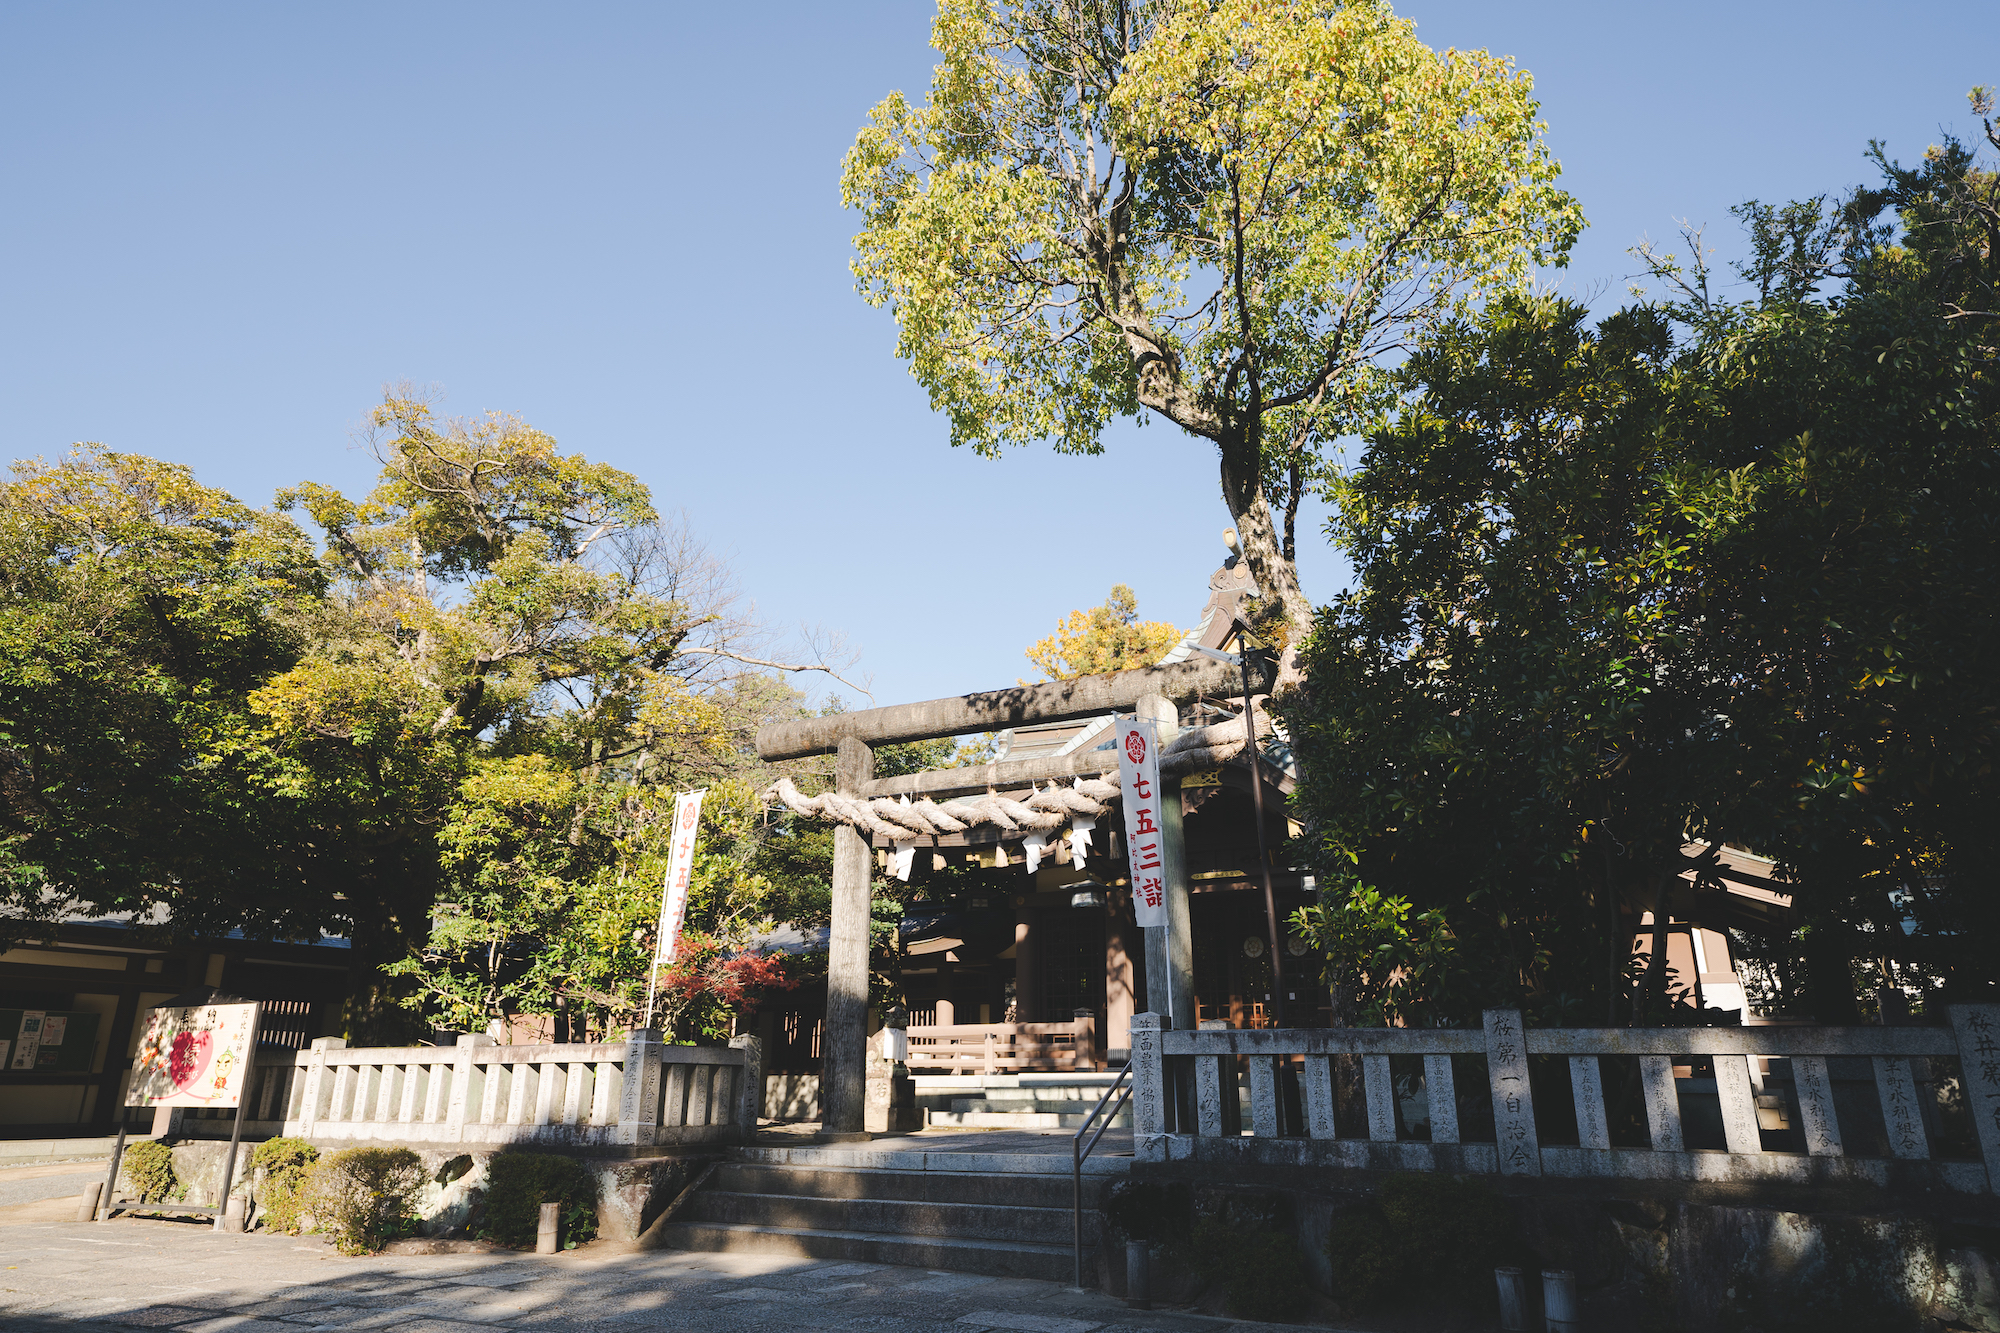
{"type": "Point", "coordinates": [680, 867]}
{"type": "Point", "coordinates": [1139, 770]}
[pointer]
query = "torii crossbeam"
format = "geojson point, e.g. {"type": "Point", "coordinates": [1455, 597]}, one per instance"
{"type": "Point", "coordinates": [1154, 692]}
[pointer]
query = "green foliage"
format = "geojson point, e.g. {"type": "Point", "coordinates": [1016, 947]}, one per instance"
{"type": "Point", "coordinates": [1259, 1267]}
{"type": "Point", "coordinates": [149, 1170]}
{"type": "Point", "coordinates": [1422, 1238]}
{"type": "Point", "coordinates": [1383, 967]}
{"type": "Point", "coordinates": [1700, 572]}
{"type": "Point", "coordinates": [1219, 214]}
{"type": "Point", "coordinates": [1110, 637]}
{"type": "Point", "coordinates": [519, 1183]}
{"type": "Point", "coordinates": [366, 1197]}
{"type": "Point", "coordinates": [138, 610]}
{"type": "Point", "coordinates": [287, 1166]}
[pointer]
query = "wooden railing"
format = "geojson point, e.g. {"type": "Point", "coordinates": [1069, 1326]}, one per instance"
{"type": "Point", "coordinates": [601, 1094]}
{"type": "Point", "coordinates": [1005, 1048]}
{"type": "Point", "coordinates": [1187, 1107]}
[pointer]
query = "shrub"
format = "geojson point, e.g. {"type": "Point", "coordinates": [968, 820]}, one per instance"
{"type": "Point", "coordinates": [1422, 1235]}
{"type": "Point", "coordinates": [149, 1170]}
{"type": "Point", "coordinates": [287, 1165]}
{"type": "Point", "coordinates": [519, 1183]}
{"type": "Point", "coordinates": [1258, 1266]}
{"type": "Point", "coordinates": [366, 1197]}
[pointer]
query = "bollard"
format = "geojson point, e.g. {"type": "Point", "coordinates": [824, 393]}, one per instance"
{"type": "Point", "coordinates": [86, 1202]}
{"type": "Point", "coordinates": [1138, 1274]}
{"type": "Point", "coordinates": [547, 1241]}
{"type": "Point", "coordinates": [232, 1213]}
{"type": "Point", "coordinates": [1513, 1300]}
{"type": "Point", "coordinates": [1559, 1301]}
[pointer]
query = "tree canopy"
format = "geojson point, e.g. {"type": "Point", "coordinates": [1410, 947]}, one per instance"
{"type": "Point", "coordinates": [1109, 637]}
{"type": "Point", "coordinates": [1702, 573]}
{"type": "Point", "coordinates": [444, 731]}
{"type": "Point", "coordinates": [1221, 214]}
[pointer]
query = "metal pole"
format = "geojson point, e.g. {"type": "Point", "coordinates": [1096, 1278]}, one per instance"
{"type": "Point", "coordinates": [111, 1181]}
{"type": "Point", "coordinates": [1263, 853]}
{"type": "Point", "coordinates": [242, 1104]}
{"type": "Point", "coordinates": [1076, 1212]}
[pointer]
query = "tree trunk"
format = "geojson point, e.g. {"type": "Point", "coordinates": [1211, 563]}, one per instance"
{"type": "Point", "coordinates": [1288, 615]}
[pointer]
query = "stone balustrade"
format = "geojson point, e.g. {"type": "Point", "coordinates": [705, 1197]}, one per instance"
{"type": "Point", "coordinates": [631, 1093]}
{"type": "Point", "coordinates": [1187, 1104]}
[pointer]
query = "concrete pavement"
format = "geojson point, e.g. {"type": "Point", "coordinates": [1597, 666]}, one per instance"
{"type": "Point", "coordinates": [146, 1274]}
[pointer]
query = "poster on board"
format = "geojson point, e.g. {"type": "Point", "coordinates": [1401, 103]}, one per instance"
{"type": "Point", "coordinates": [47, 1041]}
{"type": "Point", "coordinates": [197, 1056]}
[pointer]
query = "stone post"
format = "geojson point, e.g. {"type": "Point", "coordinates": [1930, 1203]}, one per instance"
{"type": "Point", "coordinates": [750, 1093]}
{"type": "Point", "coordinates": [843, 1066]}
{"type": "Point", "coordinates": [639, 1094]}
{"type": "Point", "coordinates": [318, 1090]}
{"type": "Point", "coordinates": [1149, 1090]}
{"type": "Point", "coordinates": [892, 1093]}
{"type": "Point", "coordinates": [1977, 1027]}
{"type": "Point", "coordinates": [1513, 1102]}
{"type": "Point", "coordinates": [461, 1084]}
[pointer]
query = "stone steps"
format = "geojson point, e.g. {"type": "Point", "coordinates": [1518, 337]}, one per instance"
{"type": "Point", "coordinates": [1048, 1263]}
{"type": "Point", "coordinates": [1012, 1103]}
{"type": "Point", "coordinates": [1004, 1224]}
{"type": "Point", "coordinates": [1019, 1119]}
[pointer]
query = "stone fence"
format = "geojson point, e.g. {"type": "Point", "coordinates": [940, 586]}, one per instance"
{"type": "Point", "coordinates": [633, 1093]}
{"type": "Point", "coordinates": [1793, 1103]}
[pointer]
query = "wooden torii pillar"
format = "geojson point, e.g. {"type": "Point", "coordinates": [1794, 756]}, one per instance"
{"type": "Point", "coordinates": [1156, 691]}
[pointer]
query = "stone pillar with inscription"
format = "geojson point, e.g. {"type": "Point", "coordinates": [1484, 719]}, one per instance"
{"type": "Point", "coordinates": [1149, 1090]}
{"type": "Point", "coordinates": [1977, 1027]}
{"type": "Point", "coordinates": [1513, 1103]}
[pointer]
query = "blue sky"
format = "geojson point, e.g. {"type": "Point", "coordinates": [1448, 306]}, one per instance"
{"type": "Point", "coordinates": [228, 227]}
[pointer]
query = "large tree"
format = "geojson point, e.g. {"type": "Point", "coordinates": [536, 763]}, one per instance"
{"type": "Point", "coordinates": [446, 732]}
{"type": "Point", "coordinates": [138, 611]}
{"type": "Point", "coordinates": [1707, 571]}
{"type": "Point", "coordinates": [1224, 213]}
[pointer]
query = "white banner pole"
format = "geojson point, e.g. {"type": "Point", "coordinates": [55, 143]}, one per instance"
{"type": "Point", "coordinates": [673, 893]}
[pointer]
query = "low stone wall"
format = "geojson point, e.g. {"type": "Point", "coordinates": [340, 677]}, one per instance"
{"type": "Point", "coordinates": [1692, 1260]}
{"type": "Point", "coordinates": [631, 1191]}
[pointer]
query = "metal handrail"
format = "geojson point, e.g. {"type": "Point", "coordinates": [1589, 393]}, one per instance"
{"type": "Point", "coordinates": [1078, 1150]}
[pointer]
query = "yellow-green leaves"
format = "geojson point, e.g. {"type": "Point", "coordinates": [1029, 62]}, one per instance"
{"type": "Point", "coordinates": [1261, 196]}
{"type": "Point", "coordinates": [1226, 214]}
{"type": "Point", "coordinates": [1110, 637]}
{"type": "Point", "coordinates": [1347, 165]}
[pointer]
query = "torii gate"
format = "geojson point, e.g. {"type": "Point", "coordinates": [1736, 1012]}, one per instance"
{"type": "Point", "coordinates": [1153, 692]}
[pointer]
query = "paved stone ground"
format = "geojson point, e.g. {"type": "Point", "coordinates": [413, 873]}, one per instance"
{"type": "Point", "coordinates": [27, 1184]}
{"type": "Point", "coordinates": [145, 1274]}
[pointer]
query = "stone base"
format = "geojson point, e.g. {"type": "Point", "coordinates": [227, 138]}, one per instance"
{"type": "Point", "coordinates": [892, 1099]}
